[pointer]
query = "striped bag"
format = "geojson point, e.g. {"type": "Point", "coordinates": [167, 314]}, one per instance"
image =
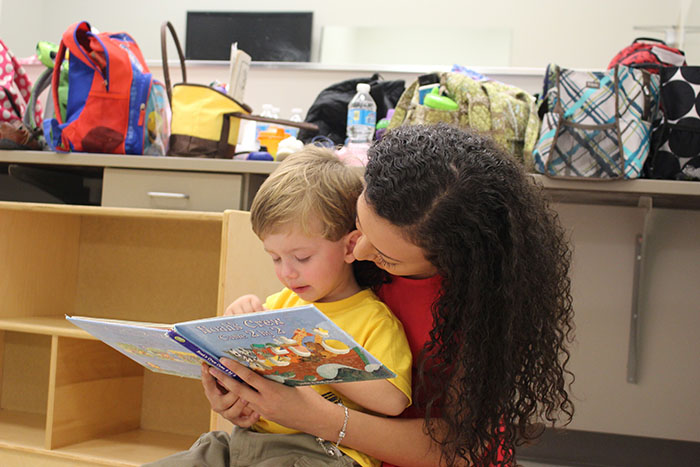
{"type": "Point", "coordinates": [596, 124]}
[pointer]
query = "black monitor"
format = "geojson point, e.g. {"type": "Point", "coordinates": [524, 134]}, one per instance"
{"type": "Point", "coordinates": [265, 36]}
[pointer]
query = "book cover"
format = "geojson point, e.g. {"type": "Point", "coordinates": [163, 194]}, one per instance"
{"type": "Point", "coordinates": [294, 346]}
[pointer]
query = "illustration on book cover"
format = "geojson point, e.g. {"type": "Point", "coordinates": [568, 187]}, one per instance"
{"type": "Point", "coordinates": [308, 354]}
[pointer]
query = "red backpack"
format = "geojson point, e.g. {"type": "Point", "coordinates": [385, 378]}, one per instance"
{"type": "Point", "coordinates": [110, 94]}
{"type": "Point", "coordinates": [648, 53]}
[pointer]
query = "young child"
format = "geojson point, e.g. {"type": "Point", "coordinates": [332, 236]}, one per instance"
{"type": "Point", "coordinates": [304, 213]}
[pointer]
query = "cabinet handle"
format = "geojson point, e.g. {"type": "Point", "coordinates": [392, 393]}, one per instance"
{"type": "Point", "coordinates": [163, 194]}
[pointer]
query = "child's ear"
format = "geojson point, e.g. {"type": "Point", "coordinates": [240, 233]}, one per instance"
{"type": "Point", "coordinates": [350, 242]}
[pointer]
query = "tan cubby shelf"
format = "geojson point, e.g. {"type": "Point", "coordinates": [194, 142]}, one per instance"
{"type": "Point", "coordinates": [68, 399]}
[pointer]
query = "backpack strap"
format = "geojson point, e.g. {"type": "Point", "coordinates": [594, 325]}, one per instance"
{"type": "Point", "coordinates": [10, 98]}
{"type": "Point", "coordinates": [56, 77]}
{"type": "Point", "coordinates": [43, 82]}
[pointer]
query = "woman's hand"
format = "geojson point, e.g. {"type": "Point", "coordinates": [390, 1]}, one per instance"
{"type": "Point", "coordinates": [225, 403]}
{"type": "Point", "coordinates": [293, 407]}
{"type": "Point", "coordinates": [244, 304]}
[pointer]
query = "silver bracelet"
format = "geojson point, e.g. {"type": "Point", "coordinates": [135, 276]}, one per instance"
{"type": "Point", "coordinates": [341, 434]}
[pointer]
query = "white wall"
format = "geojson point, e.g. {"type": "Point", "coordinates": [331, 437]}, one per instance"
{"type": "Point", "coordinates": [573, 33]}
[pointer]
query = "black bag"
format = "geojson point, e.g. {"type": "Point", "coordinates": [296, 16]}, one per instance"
{"type": "Point", "coordinates": [330, 109]}
{"type": "Point", "coordinates": [675, 142]}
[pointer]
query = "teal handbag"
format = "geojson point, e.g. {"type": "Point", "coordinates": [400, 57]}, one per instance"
{"type": "Point", "coordinates": [596, 124]}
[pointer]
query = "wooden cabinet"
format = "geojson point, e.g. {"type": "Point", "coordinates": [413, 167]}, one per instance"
{"type": "Point", "coordinates": [67, 399]}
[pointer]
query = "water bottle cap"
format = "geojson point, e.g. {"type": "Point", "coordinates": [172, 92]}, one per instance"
{"type": "Point", "coordinates": [363, 87]}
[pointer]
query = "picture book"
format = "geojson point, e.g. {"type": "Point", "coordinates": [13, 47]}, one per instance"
{"type": "Point", "coordinates": [295, 346]}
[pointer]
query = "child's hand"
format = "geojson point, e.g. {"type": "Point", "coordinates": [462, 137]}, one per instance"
{"type": "Point", "coordinates": [243, 305]}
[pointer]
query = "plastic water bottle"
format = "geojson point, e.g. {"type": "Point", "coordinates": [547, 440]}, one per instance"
{"type": "Point", "coordinates": [362, 116]}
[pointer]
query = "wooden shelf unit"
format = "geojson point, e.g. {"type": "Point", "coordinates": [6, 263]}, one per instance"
{"type": "Point", "coordinates": [66, 398]}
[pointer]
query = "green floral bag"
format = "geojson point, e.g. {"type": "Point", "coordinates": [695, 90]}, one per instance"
{"type": "Point", "coordinates": [507, 113]}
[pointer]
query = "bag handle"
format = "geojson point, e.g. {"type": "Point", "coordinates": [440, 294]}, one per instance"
{"type": "Point", "coordinates": [13, 104]}
{"type": "Point", "coordinates": [164, 52]}
{"type": "Point", "coordinates": [43, 82]}
{"type": "Point", "coordinates": [222, 148]}
{"type": "Point", "coordinates": [648, 39]}
{"type": "Point", "coordinates": [279, 121]}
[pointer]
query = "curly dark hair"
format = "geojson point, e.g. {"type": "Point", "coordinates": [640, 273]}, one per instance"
{"type": "Point", "coordinates": [503, 316]}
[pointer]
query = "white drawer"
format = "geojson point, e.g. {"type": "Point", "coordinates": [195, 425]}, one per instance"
{"type": "Point", "coordinates": [160, 189]}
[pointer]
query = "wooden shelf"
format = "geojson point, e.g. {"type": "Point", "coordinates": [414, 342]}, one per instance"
{"type": "Point", "coordinates": [50, 325]}
{"type": "Point", "coordinates": [130, 448]}
{"type": "Point", "coordinates": [111, 211]}
{"type": "Point", "coordinates": [23, 430]}
{"type": "Point", "coordinates": [67, 399]}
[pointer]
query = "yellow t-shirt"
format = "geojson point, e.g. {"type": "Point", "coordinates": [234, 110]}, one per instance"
{"type": "Point", "coordinates": [370, 322]}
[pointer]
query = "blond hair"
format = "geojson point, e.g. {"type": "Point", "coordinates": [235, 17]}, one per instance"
{"type": "Point", "coordinates": [311, 188]}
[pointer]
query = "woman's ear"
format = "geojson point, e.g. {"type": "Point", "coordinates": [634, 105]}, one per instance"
{"type": "Point", "coordinates": [350, 240]}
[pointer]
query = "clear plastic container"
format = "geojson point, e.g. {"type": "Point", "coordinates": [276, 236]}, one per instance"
{"type": "Point", "coordinates": [362, 116]}
{"type": "Point", "coordinates": [297, 116]}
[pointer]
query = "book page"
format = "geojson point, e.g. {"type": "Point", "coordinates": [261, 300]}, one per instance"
{"type": "Point", "coordinates": [145, 343]}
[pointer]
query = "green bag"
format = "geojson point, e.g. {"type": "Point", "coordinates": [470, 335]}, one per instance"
{"type": "Point", "coordinates": [507, 113]}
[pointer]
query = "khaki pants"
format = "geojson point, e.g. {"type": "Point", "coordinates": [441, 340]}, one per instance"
{"type": "Point", "coordinates": [245, 448]}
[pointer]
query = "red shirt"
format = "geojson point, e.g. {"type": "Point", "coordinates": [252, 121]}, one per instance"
{"type": "Point", "coordinates": [411, 301]}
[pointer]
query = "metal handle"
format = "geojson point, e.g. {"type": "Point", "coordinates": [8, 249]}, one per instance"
{"type": "Point", "coordinates": [163, 194]}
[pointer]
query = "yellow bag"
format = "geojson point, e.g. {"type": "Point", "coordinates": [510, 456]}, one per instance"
{"type": "Point", "coordinates": [205, 121]}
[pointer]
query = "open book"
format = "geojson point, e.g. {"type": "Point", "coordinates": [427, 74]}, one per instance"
{"type": "Point", "coordinates": [295, 346]}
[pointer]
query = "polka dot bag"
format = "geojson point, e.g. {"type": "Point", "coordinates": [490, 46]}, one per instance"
{"type": "Point", "coordinates": [675, 145]}
{"type": "Point", "coordinates": [15, 88]}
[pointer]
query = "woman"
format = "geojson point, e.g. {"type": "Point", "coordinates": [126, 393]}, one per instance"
{"type": "Point", "coordinates": [478, 274]}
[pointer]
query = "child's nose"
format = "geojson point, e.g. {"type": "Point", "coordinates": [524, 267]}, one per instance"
{"type": "Point", "coordinates": [289, 270]}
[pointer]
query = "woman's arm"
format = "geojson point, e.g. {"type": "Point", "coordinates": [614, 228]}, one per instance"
{"type": "Point", "coordinates": [395, 440]}
{"type": "Point", "coordinates": [379, 396]}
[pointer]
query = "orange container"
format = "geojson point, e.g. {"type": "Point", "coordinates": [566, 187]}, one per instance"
{"type": "Point", "coordinates": [271, 137]}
